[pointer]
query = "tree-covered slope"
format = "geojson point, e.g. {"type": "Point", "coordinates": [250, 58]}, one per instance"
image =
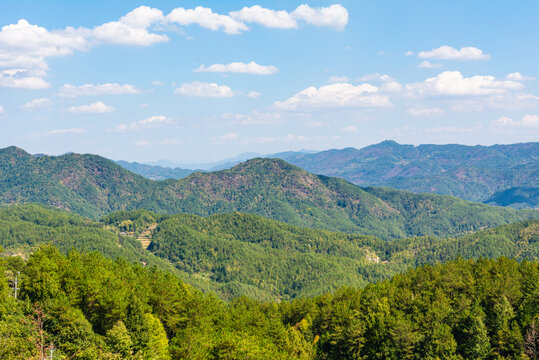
{"type": "Point", "coordinates": [468, 172]}
{"type": "Point", "coordinates": [517, 197]}
{"type": "Point", "coordinates": [91, 185]}
{"type": "Point", "coordinates": [241, 254]}
{"type": "Point", "coordinates": [90, 307]}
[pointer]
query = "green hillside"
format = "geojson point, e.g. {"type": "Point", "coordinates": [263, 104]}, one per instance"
{"type": "Point", "coordinates": [469, 172]}
{"type": "Point", "coordinates": [241, 254]}
{"type": "Point", "coordinates": [90, 307]}
{"type": "Point", "coordinates": [94, 186]}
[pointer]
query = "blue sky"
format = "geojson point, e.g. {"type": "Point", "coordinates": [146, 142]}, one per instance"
{"type": "Point", "coordinates": [195, 81]}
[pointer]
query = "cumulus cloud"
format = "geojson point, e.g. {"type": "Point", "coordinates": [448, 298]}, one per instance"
{"type": "Point", "coordinates": [37, 103]}
{"type": "Point", "coordinates": [97, 107]}
{"type": "Point", "coordinates": [265, 17]}
{"type": "Point", "coordinates": [337, 95]}
{"type": "Point", "coordinates": [527, 121]}
{"type": "Point", "coordinates": [516, 76]}
{"type": "Point", "coordinates": [388, 84]}
{"type": "Point", "coordinates": [335, 16]}
{"type": "Point", "coordinates": [239, 67]}
{"type": "Point", "coordinates": [18, 79]}
{"type": "Point", "coordinates": [132, 29]}
{"type": "Point", "coordinates": [203, 89]}
{"type": "Point", "coordinates": [24, 48]}
{"type": "Point", "coordinates": [68, 90]}
{"type": "Point", "coordinates": [454, 83]}
{"type": "Point", "coordinates": [428, 65]}
{"type": "Point", "coordinates": [425, 111]}
{"type": "Point", "coordinates": [206, 18]}
{"type": "Point", "coordinates": [449, 53]}
{"type": "Point", "coordinates": [152, 122]}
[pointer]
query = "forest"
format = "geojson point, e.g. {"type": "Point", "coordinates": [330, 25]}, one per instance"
{"type": "Point", "coordinates": [84, 306]}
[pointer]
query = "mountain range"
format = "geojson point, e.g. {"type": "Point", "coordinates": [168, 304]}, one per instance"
{"type": "Point", "coordinates": [93, 186]}
{"type": "Point", "coordinates": [489, 174]}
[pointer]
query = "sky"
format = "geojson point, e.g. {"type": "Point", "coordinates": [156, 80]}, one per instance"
{"type": "Point", "coordinates": [200, 81]}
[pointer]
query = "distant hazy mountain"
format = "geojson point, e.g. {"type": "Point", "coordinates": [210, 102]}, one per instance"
{"type": "Point", "coordinates": [469, 172]}
{"type": "Point", "coordinates": [155, 172]}
{"type": "Point", "coordinates": [92, 185]}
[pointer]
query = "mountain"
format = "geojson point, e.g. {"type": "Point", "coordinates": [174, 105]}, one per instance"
{"type": "Point", "coordinates": [155, 172]}
{"type": "Point", "coordinates": [241, 254]}
{"type": "Point", "coordinates": [517, 197]}
{"type": "Point", "coordinates": [468, 172]}
{"type": "Point", "coordinates": [93, 186]}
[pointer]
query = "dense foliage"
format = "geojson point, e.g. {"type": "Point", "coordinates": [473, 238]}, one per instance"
{"type": "Point", "coordinates": [89, 307]}
{"type": "Point", "coordinates": [517, 197]}
{"type": "Point", "coordinates": [468, 172]}
{"type": "Point", "coordinates": [91, 185]}
{"type": "Point", "coordinates": [241, 254]}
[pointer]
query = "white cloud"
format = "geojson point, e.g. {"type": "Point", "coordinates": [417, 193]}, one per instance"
{"type": "Point", "coordinates": [335, 96]}
{"type": "Point", "coordinates": [65, 131]}
{"type": "Point", "coordinates": [516, 76]}
{"type": "Point", "coordinates": [265, 17]}
{"type": "Point", "coordinates": [158, 83]}
{"type": "Point", "coordinates": [239, 67]}
{"type": "Point", "coordinates": [17, 79]}
{"type": "Point", "coordinates": [527, 121]}
{"type": "Point", "coordinates": [253, 94]}
{"type": "Point", "coordinates": [1, 109]}
{"type": "Point", "coordinates": [338, 79]}
{"type": "Point", "coordinates": [388, 84]}
{"type": "Point", "coordinates": [335, 16]}
{"type": "Point", "coordinates": [428, 65]}
{"type": "Point", "coordinates": [454, 83]}
{"type": "Point", "coordinates": [24, 48]}
{"type": "Point", "coordinates": [152, 122]}
{"type": "Point", "coordinates": [202, 89]}
{"type": "Point", "coordinates": [132, 29]}
{"type": "Point", "coordinates": [409, 53]}
{"type": "Point", "coordinates": [449, 53]}
{"type": "Point", "coordinates": [36, 103]}
{"type": "Point", "coordinates": [68, 90]}
{"type": "Point", "coordinates": [350, 129]}
{"type": "Point", "coordinates": [425, 111]}
{"type": "Point", "coordinates": [207, 19]}
{"type": "Point", "coordinates": [97, 107]}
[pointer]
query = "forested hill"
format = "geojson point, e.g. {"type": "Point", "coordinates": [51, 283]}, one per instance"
{"type": "Point", "coordinates": [89, 307]}
{"type": "Point", "coordinates": [468, 172]}
{"type": "Point", "coordinates": [92, 186]}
